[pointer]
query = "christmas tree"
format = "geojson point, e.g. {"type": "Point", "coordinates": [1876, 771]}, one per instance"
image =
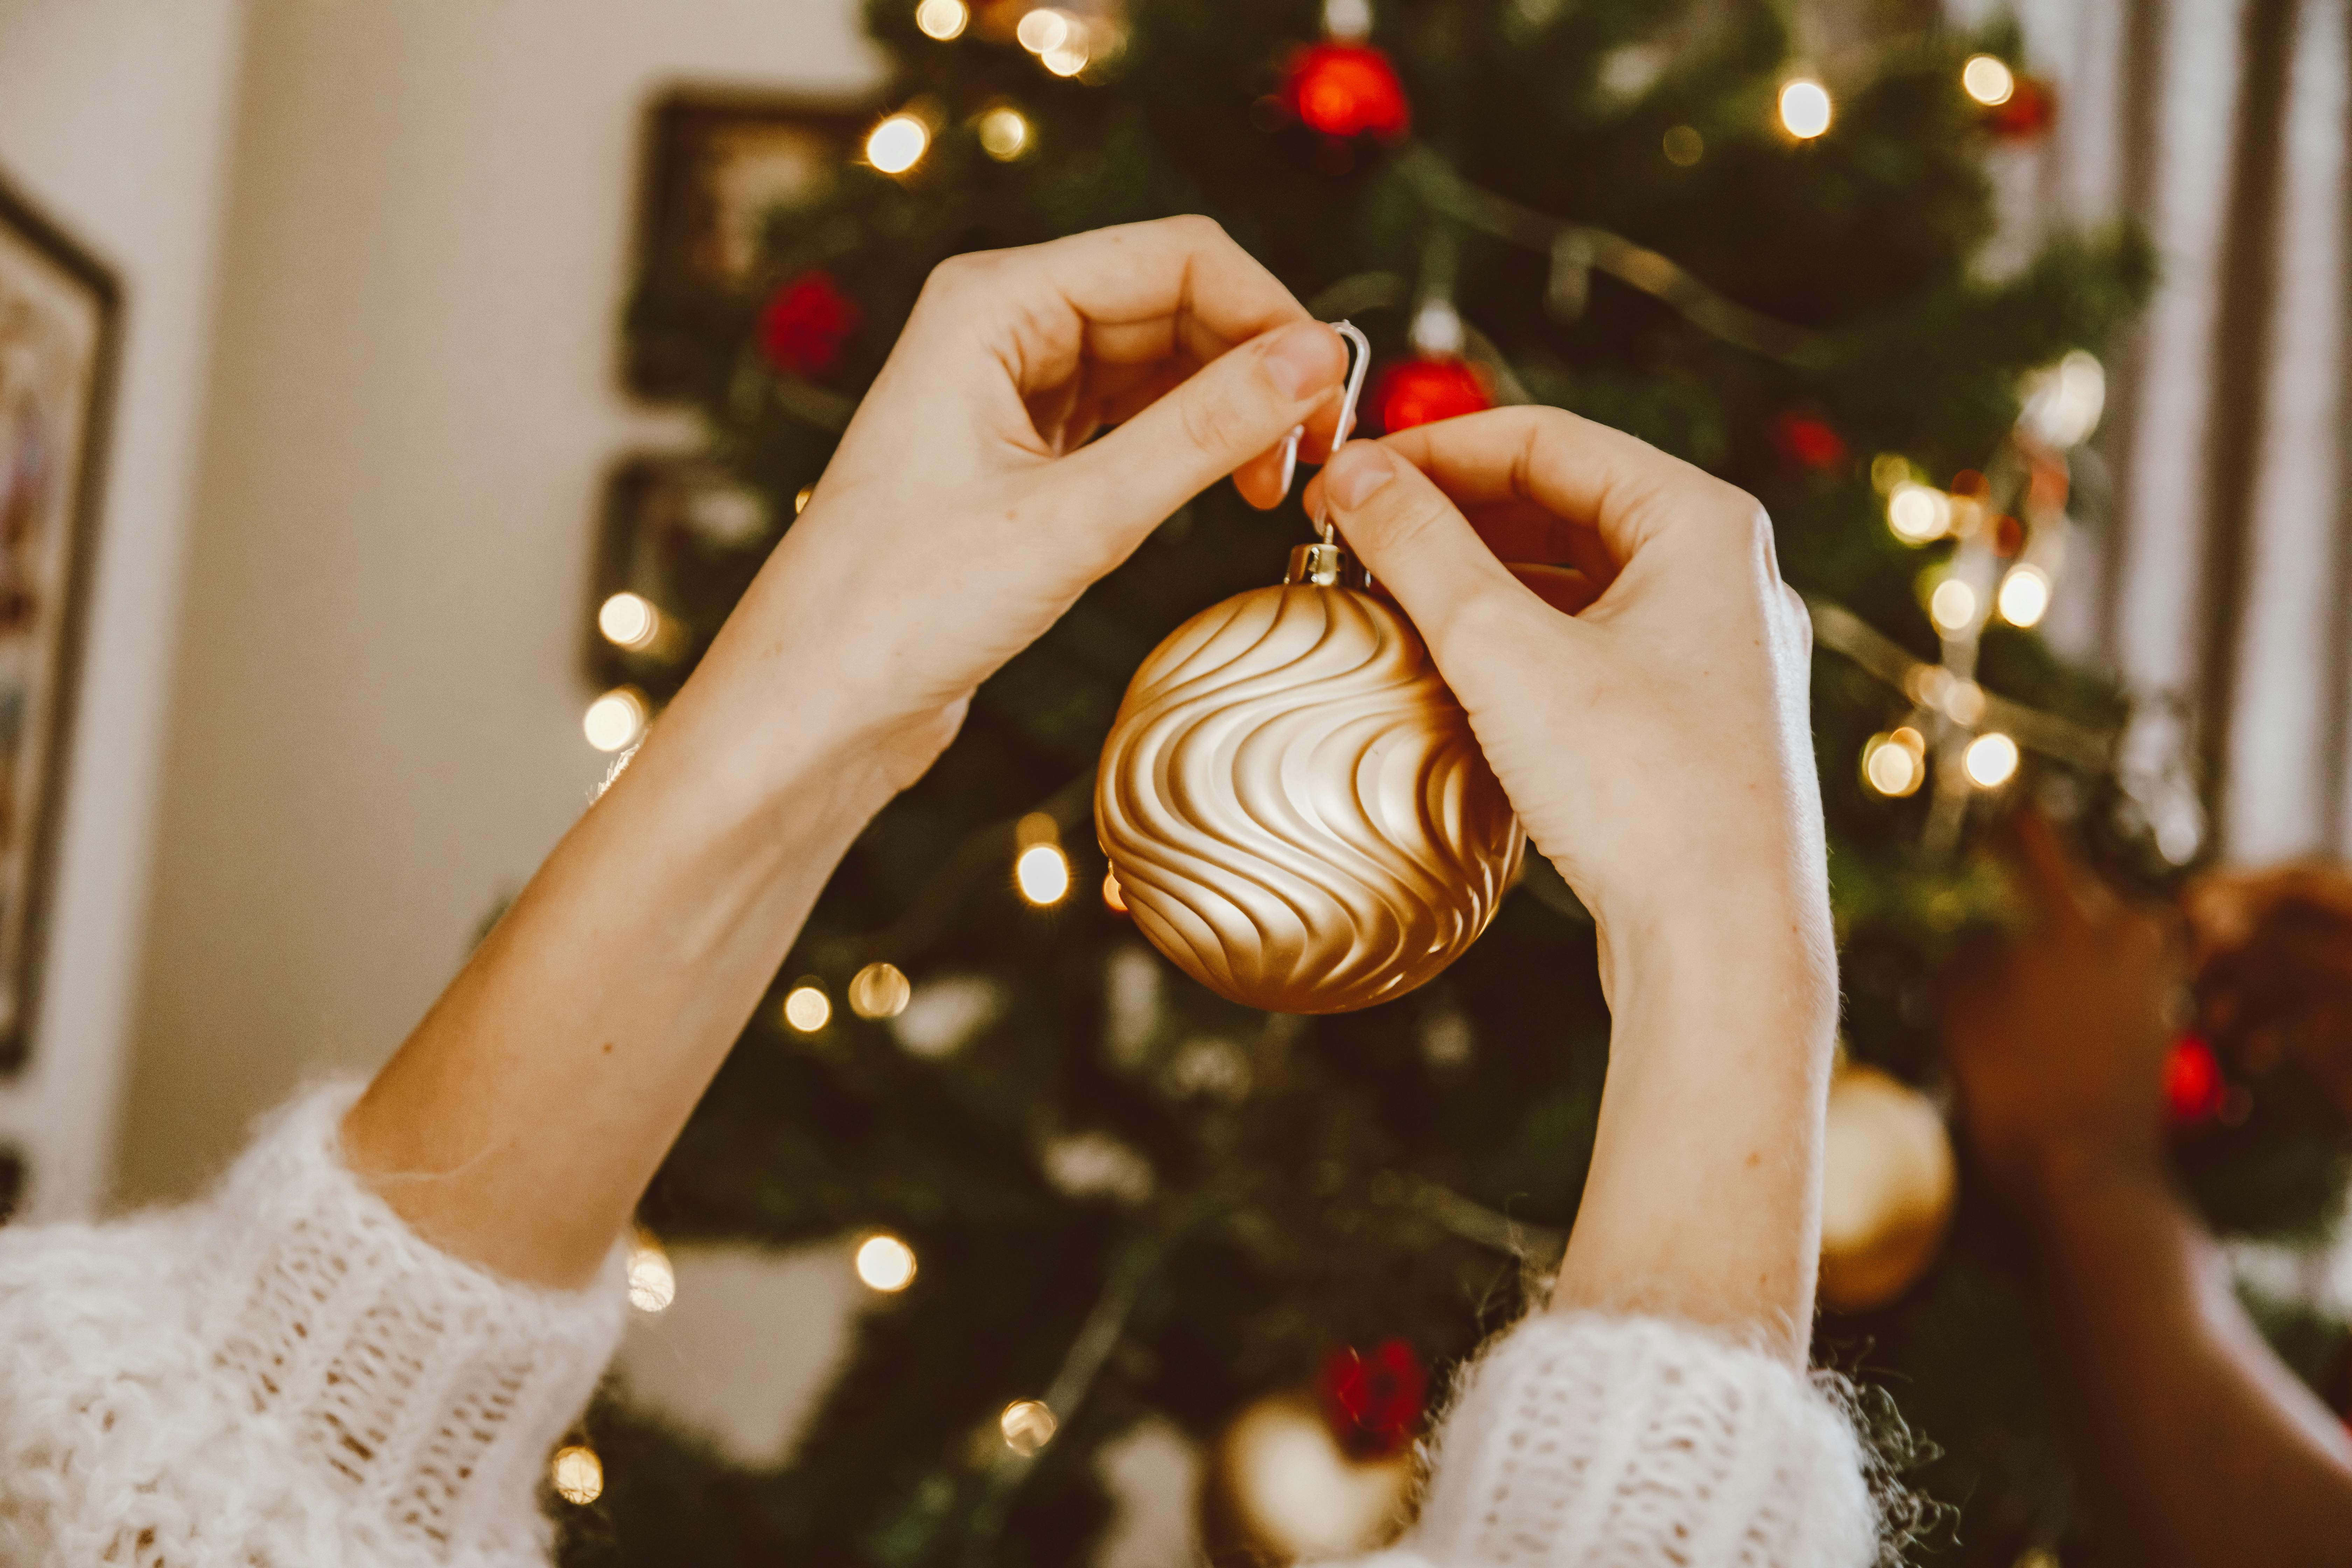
{"type": "Point", "coordinates": [1121, 1198]}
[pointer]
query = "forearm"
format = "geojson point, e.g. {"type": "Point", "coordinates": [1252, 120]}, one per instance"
{"type": "Point", "coordinates": [1704, 1200]}
{"type": "Point", "coordinates": [518, 1124]}
{"type": "Point", "coordinates": [2203, 1447]}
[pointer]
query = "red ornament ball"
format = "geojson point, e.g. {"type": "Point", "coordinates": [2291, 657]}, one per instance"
{"type": "Point", "coordinates": [1372, 1402]}
{"type": "Point", "coordinates": [1345, 89]}
{"type": "Point", "coordinates": [1425, 391]}
{"type": "Point", "coordinates": [1808, 441]}
{"type": "Point", "coordinates": [2029, 110]}
{"type": "Point", "coordinates": [2193, 1089]}
{"type": "Point", "coordinates": [804, 325]}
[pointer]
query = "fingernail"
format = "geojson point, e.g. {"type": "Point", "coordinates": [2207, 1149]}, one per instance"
{"type": "Point", "coordinates": [1359, 468]}
{"type": "Point", "coordinates": [1306, 359]}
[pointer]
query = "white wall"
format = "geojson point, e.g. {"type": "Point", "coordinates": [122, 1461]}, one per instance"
{"type": "Point", "coordinates": [114, 115]}
{"type": "Point", "coordinates": [375, 734]}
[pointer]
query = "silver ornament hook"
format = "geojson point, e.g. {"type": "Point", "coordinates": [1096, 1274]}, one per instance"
{"type": "Point", "coordinates": [1359, 366]}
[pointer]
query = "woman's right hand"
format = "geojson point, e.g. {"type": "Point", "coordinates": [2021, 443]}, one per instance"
{"type": "Point", "coordinates": [1655, 741]}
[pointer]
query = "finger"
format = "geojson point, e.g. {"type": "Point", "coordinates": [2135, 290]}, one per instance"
{"type": "Point", "coordinates": [1236, 410]}
{"type": "Point", "coordinates": [1418, 544]}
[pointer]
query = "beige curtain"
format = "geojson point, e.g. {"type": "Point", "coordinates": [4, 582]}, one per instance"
{"type": "Point", "coordinates": [2224, 577]}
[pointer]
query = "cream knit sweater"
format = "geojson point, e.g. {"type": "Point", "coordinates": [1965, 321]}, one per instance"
{"type": "Point", "coordinates": [285, 1376]}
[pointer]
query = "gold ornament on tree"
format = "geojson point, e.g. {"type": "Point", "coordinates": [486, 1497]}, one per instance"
{"type": "Point", "coordinates": [1295, 809]}
{"type": "Point", "coordinates": [1888, 1182]}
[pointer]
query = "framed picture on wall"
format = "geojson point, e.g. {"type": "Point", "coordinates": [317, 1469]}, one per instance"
{"type": "Point", "coordinates": [60, 316]}
{"type": "Point", "coordinates": [717, 167]}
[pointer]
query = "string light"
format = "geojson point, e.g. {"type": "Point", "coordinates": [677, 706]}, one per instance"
{"type": "Point", "coordinates": [1683, 145]}
{"type": "Point", "coordinates": [2024, 596]}
{"type": "Point", "coordinates": [653, 1283]}
{"type": "Point", "coordinates": [1919, 514]}
{"type": "Point", "coordinates": [1896, 763]}
{"type": "Point", "coordinates": [578, 1474]}
{"type": "Point", "coordinates": [1804, 108]}
{"type": "Point", "coordinates": [807, 1008]}
{"type": "Point", "coordinates": [1043, 30]}
{"type": "Point", "coordinates": [1952, 607]}
{"type": "Point", "coordinates": [1004, 133]}
{"type": "Point", "coordinates": [1043, 873]}
{"type": "Point", "coordinates": [1113, 900]}
{"type": "Point", "coordinates": [616, 720]}
{"type": "Point", "coordinates": [885, 1263]}
{"type": "Point", "coordinates": [1988, 80]}
{"type": "Point", "coordinates": [1028, 1425]}
{"type": "Point", "coordinates": [628, 620]}
{"type": "Point", "coordinates": [880, 990]}
{"type": "Point", "coordinates": [1990, 759]}
{"type": "Point", "coordinates": [898, 144]}
{"type": "Point", "coordinates": [942, 19]}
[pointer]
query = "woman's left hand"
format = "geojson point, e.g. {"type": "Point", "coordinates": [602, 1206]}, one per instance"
{"type": "Point", "coordinates": [969, 505]}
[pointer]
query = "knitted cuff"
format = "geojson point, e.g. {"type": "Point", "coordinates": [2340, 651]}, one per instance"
{"type": "Point", "coordinates": [426, 1391]}
{"type": "Point", "coordinates": [1584, 1439]}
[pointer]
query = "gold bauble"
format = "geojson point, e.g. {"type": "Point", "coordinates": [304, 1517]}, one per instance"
{"type": "Point", "coordinates": [1278, 1488]}
{"type": "Point", "coordinates": [1887, 1187]}
{"type": "Point", "coordinates": [1293, 804]}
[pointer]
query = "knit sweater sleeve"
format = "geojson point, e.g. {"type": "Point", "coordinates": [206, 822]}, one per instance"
{"type": "Point", "coordinates": [1595, 1442]}
{"type": "Point", "coordinates": [281, 1374]}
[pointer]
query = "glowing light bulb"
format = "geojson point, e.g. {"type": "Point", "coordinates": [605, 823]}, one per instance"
{"type": "Point", "coordinates": [1043, 873]}
{"type": "Point", "coordinates": [653, 1283]}
{"type": "Point", "coordinates": [1952, 607]}
{"type": "Point", "coordinates": [1804, 108]}
{"type": "Point", "coordinates": [1683, 146]}
{"type": "Point", "coordinates": [2024, 596]}
{"type": "Point", "coordinates": [578, 1474]}
{"type": "Point", "coordinates": [616, 720]}
{"type": "Point", "coordinates": [1113, 900]}
{"type": "Point", "coordinates": [880, 990]}
{"type": "Point", "coordinates": [1990, 759]}
{"type": "Point", "coordinates": [1043, 30]}
{"type": "Point", "coordinates": [1988, 80]}
{"type": "Point", "coordinates": [885, 1263]}
{"type": "Point", "coordinates": [942, 19]}
{"type": "Point", "coordinates": [807, 1008]}
{"type": "Point", "coordinates": [1919, 514]}
{"type": "Point", "coordinates": [898, 144]}
{"type": "Point", "coordinates": [1028, 1425]}
{"type": "Point", "coordinates": [1896, 764]}
{"type": "Point", "coordinates": [628, 620]}
{"type": "Point", "coordinates": [1005, 134]}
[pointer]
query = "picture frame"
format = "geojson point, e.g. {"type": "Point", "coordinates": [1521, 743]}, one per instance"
{"type": "Point", "coordinates": [717, 163]}
{"type": "Point", "coordinates": [60, 332]}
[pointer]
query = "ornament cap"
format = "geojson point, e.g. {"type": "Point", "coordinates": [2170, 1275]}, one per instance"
{"type": "Point", "coordinates": [1327, 567]}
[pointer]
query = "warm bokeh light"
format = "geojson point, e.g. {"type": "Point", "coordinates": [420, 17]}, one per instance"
{"type": "Point", "coordinates": [1952, 607]}
{"type": "Point", "coordinates": [1889, 469]}
{"type": "Point", "coordinates": [2062, 404]}
{"type": "Point", "coordinates": [1043, 873]}
{"type": "Point", "coordinates": [616, 720]}
{"type": "Point", "coordinates": [942, 19]}
{"type": "Point", "coordinates": [653, 1283]}
{"type": "Point", "coordinates": [880, 990]}
{"type": "Point", "coordinates": [807, 1008]}
{"type": "Point", "coordinates": [801, 498]}
{"type": "Point", "coordinates": [1067, 58]}
{"type": "Point", "coordinates": [1113, 900]}
{"type": "Point", "coordinates": [1804, 108]}
{"type": "Point", "coordinates": [885, 1263]}
{"type": "Point", "coordinates": [2024, 596]}
{"type": "Point", "coordinates": [1919, 514]}
{"type": "Point", "coordinates": [1896, 764]}
{"type": "Point", "coordinates": [1348, 21]}
{"type": "Point", "coordinates": [578, 1474]}
{"type": "Point", "coordinates": [1043, 30]}
{"type": "Point", "coordinates": [1988, 80]}
{"type": "Point", "coordinates": [898, 144]}
{"type": "Point", "coordinates": [1027, 1426]}
{"type": "Point", "coordinates": [1004, 133]}
{"type": "Point", "coordinates": [1962, 699]}
{"type": "Point", "coordinates": [629, 621]}
{"type": "Point", "coordinates": [1990, 759]}
{"type": "Point", "coordinates": [1036, 828]}
{"type": "Point", "coordinates": [1683, 146]}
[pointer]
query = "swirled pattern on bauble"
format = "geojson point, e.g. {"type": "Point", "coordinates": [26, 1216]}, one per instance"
{"type": "Point", "coordinates": [1294, 806]}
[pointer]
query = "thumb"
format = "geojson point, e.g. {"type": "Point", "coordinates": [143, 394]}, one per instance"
{"type": "Point", "coordinates": [1232, 409]}
{"type": "Point", "coordinates": [1418, 544]}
